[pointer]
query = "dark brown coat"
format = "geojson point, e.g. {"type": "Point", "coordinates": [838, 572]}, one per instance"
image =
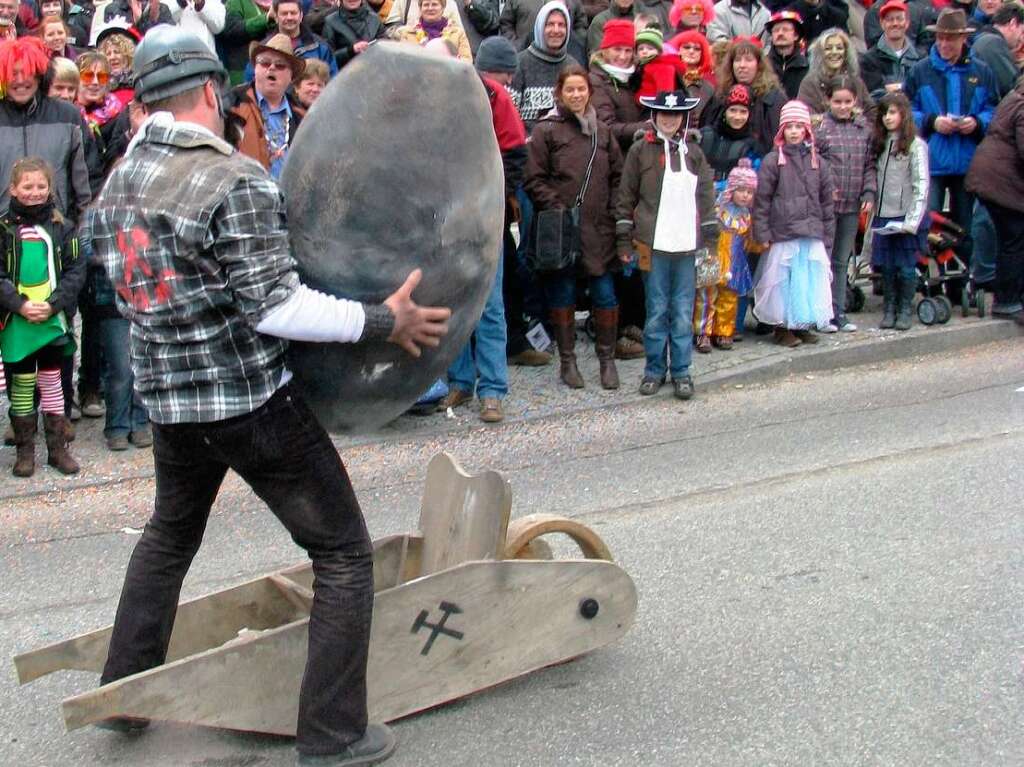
{"type": "Point", "coordinates": [794, 200]}
{"type": "Point", "coordinates": [640, 190]}
{"type": "Point", "coordinates": [615, 104]}
{"type": "Point", "coordinates": [558, 153]}
{"type": "Point", "coordinates": [996, 173]}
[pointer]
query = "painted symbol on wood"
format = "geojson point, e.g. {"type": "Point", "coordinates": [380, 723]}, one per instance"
{"type": "Point", "coordinates": [438, 628]}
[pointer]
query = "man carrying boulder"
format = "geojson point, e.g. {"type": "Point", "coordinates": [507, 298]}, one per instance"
{"type": "Point", "coordinates": [193, 237]}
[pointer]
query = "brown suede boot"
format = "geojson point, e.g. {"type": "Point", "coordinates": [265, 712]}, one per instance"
{"type": "Point", "coordinates": [58, 455]}
{"type": "Point", "coordinates": [25, 438]}
{"type": "Point", "coordinates": [606, 325]}
{"type": "Point", "coordinates": [563, 320]}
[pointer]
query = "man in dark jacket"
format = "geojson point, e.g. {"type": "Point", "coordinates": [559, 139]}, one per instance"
{"type": "Point", "coordinates": [886, 65]}
{"type": "Point", "coordinates": [995, 46]}
{"type": "Point", "coordinates": [351, 28]}
{"type": "Point", "coordinates": [920, 14]}
{"type": "Point", "coordinates": [788, 61]}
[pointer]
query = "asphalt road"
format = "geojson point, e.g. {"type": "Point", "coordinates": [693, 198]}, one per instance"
{"type": "Point", "coordinates": [829, 568]}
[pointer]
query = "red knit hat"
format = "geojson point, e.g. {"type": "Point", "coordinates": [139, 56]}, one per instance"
{"type": "Point", "coordinates": [739, 95]}
{"type": "Point", "coordinates": [618, 32]}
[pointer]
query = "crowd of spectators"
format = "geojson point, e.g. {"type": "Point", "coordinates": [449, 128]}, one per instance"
{"type": "Point", "coordinates": [568, 81]}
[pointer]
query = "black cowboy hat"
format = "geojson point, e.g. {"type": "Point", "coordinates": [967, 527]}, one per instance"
{"type": "Point", "coordinates": [670, 101]}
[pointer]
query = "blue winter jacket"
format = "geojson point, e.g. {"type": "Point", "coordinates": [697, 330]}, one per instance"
{"type": "Point", "coordinates": [935, 88]}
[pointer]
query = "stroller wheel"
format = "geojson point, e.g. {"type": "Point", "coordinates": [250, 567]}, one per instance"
{"type": "Point", "coordinates": [965, 303]}
{"type": "Point", "coordinates": [927, 311]}
{"type": "Point", "coordinates": [854, 298]}
{"type": "Point", "coordinates": [981, 301]}
{"type": "Point", "coordinates": [943, 309]}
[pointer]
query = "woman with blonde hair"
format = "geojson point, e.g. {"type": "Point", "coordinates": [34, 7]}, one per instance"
{"type": "Point", "coordinates": [745, 63]}
{"type": "Point", "coordinates": [119, 49]}
{"type": "Point", "coordinates": [434, 24]}
{"type": "Point", "coordinates": [831, 55]}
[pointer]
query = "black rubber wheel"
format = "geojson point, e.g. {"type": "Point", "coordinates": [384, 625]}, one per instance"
{"type": "Point", "coordinates": [943, 309]}
{"type": "Point", "coordinates": [981, 301]}
{"type": "Point", "coordinates": [965, 303]}
{"type": "Point", "coordinates": [927, 311]}
{"type": "Point", "coordinates": [854, 298]}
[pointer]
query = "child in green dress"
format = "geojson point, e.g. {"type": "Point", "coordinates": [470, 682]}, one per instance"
{"type": "Point", "coordinates": [41, 275]}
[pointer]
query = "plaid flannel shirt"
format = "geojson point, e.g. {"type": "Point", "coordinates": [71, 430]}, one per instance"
{"type": "Point", "coordinates": [194, 240]}
{"type": "Point", "coordinates": [847, 147]}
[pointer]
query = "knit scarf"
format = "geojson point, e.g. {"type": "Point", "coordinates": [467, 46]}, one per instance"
{"type": "Point", "coordinates": [434, 28]}
{"type": "Point", "coordinates": [619, 75]}
{"type": "Point", "coordinates": [97, 115]}
{"type": "Point", "coordinates": [551, 58]}
{"type": "Point", "coordinates": [31, 215]}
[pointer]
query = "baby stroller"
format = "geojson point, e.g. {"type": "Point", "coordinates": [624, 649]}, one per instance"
{"type": "Point", "coordinates": [942, 273]}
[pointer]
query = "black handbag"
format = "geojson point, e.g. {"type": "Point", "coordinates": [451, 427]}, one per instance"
{"type": "Point", "coordinates": [557, 243]}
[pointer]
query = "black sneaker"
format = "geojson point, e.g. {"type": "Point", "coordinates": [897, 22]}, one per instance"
{"type": "Point", "coordinates": [376, 745]}
{"type": "Point", "coordinates": [682, 388]}
{"type": "Point", "coordinates": [126, 725]}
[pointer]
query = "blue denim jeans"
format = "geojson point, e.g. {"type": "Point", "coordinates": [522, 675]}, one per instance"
{"type": "Point", "coordinates": [288, 459]}
{"type": "Point", "coordinates": [560, 290]}
{"type": "Point", "coordinates": [482, 363]}
{"type": "Point", "coordinates": [986, 246]}
{"type": "Point", "coordinates": [670, 287]}
{"type": "Point", "coordinates": [125, 411]}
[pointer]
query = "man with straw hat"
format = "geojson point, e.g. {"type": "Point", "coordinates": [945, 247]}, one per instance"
{"type": "Point", "coordinates": [269, 114]}
{"type": "Point", "coordinates": [953, 97]}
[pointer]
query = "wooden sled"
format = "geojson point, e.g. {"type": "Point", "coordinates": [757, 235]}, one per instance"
{"type": "Point", "coordinates": [467, 602]}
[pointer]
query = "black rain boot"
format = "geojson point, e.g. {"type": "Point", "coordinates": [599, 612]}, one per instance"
{"type": "Point", "coordinates": [888, 300]}
{"type": "Point", "coordinates": [907, 289]}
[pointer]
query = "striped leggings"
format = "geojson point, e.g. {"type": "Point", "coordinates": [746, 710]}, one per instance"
{"type": "Point", "coordinates": [40, 369]}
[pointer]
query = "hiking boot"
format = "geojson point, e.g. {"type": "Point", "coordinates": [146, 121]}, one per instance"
{"type": "Point", "coordinates": [633, 333]}
{"type": "Point", "coordinates": [682, 388]}
{"type": "Point", "coordinates": [92, 405]}
{"type": "Point", "coordinates": [807, 336]}
{"type": "Point", "coordinates": [142, 437]}
{"type": "Point", "coordinates": [563, 321]}
{"type": "Point", "coordinates": [25, 438]}
{"type": "Point", "coordinates": [627, 348]}
{"type": "Point", "coordinates": [376, 745]}
{"type": "Point", "coordinates": [530, 358]}
{"type": "Point", "coordinates": [455, 398]}
{"type": "Point", "coordinates": [606, 326]}
{"type": "Point", "coordinates": [703, 344]}
{"type": "Point", "coordinates": [650, 386]}
{"type": "Point", "coordinates": [490, 410]}
{"type": "Point", "coordinates": [786, 337]}
{"type": "Point", "coordinates": [58, 455]}
{"type": "Point", "coordinates": [117, 442]}
{"type": "Point", "coordinates": [722, 342]}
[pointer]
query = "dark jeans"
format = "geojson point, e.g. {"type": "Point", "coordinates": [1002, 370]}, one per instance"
{"type": "Point", "coordinates": [560, 289]}
{"type": "Point", "coordinates": [1009, 283]}
{"type": "Point", "coordinates": [961, 208]}
{"type": "Point", "coordinates": [289, 461]}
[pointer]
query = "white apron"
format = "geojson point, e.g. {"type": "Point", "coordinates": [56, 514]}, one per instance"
{"type": "Point", "coordinates": [675, 231]}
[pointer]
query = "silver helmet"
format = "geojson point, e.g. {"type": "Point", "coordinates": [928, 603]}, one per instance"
{"type": "Point", "coordinates": [170, 61]}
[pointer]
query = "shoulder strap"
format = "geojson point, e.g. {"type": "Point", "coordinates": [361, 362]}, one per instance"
{"type": "Point", "coordinates": [590, 169]}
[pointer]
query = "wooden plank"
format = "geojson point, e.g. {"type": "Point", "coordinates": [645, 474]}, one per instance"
{"type": "Point", "coordinates": [213, 619]}
{"type": "Point", "coordinates": [433, 640]}
{"type": "Point", "coordinates": [462, 518]}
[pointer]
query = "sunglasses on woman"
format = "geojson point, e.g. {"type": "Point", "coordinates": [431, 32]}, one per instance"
{"type": "Point", "coordinates": [89, 77]}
